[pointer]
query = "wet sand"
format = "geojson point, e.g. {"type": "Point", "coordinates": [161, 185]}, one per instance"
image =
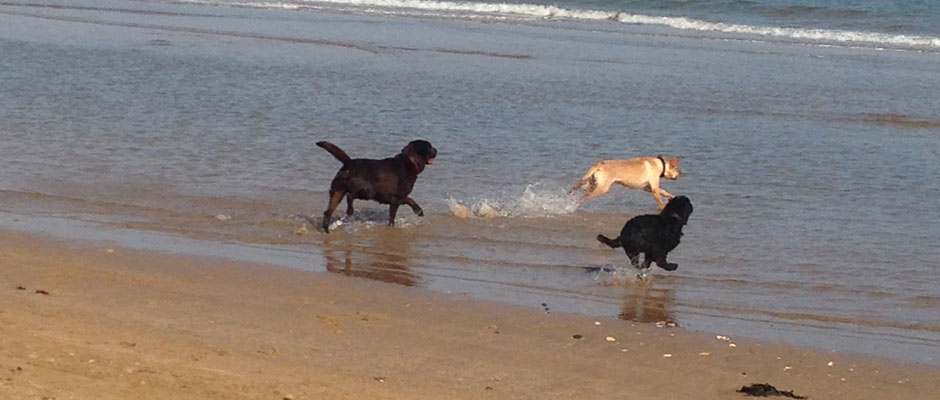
{"type": "Point", "coordinates": [118, 322]}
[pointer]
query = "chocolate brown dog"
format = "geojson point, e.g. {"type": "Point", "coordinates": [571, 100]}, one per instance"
{"type": "Point", "coordinates": [655, 235]}
{"type": "Point", "coordinates": [388, 181]}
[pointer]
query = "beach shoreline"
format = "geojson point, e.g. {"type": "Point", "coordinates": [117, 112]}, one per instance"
{"type": "Point", "coordinates": [119, 321]}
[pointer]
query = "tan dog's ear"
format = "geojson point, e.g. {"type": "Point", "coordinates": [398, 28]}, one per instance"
{"type": "Point", "coordinates": [674, 162]}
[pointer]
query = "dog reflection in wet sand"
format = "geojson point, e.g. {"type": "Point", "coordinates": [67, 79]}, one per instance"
{"type": "Point", "coordinates": [654, 235]}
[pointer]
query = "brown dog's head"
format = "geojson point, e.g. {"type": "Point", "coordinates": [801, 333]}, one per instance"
{"type": "Point", "coordinates": [671, 167]}
{"type": "Point", "coordinates": [680, 208]}
{"type": "Point", "coordinates": [420, 153]}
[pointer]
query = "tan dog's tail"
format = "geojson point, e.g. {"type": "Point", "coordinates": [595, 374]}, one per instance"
{"type": "Point", "coordinates": [613, 243]}
{"type": "Point", "coordinates": [335, 151]}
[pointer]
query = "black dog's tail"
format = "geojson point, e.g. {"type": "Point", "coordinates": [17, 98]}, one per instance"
{"type": "Point", "coordinates": [613, 243]}
{"type": "Point", "coordinates": [335, 151]}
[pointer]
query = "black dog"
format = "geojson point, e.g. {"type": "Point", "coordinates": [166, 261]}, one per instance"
{"type": "Point", "coordinates": [653, 235]}
{"type": "Point", "coordinates": [387, 181]}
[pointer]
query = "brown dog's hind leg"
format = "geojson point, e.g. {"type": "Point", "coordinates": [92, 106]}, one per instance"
{"type": "Point", "coordinates": [335, 198]}
{"type": "Point", "coordinates": [349, 206]}
{"type": "Point", "coordinates": [392, 210]}
{"type": "Point", "coordinates": [414, 206]}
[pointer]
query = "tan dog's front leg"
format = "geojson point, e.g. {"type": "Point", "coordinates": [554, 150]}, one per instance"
{"type": "Point", "coordinates": [666, 194]}
{"type": "Point", "coordinates": [658, 194]}
{"type": "Point", "coordinates": [659, 201]}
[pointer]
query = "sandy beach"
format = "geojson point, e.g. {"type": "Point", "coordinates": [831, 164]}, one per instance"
{"type": "Point", "coordinates": [81, 320]}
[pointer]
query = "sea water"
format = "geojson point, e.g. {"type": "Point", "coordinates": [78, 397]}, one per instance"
{"type": "Point", "coordinates": [808, 131]}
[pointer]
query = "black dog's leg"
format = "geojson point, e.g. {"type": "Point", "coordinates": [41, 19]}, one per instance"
{"type": "Point", "coordinates": [414, 206]}
{"type": "Point", "coordinates": [662, 263]}
{"type": "Point", "coordinates": [349, 207]}
{"type": "Point", "coordinates": [335, 198]}
{"type": "Point", "coordinates": [647, 261]}
{"type": "Point", "coordinates": [392, 210]}
{"type": "Point", "coordinates": [634, 257]}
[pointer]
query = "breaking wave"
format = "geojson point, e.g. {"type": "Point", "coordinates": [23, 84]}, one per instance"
{"type": "Point", "coordinates": [522, 11]}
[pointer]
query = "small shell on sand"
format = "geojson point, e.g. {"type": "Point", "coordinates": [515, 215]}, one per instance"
{"type": "Point", "coordinates": [611, 339]}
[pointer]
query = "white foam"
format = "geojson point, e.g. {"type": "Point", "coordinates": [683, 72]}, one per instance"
{"type": "Point", "coordinates": [536, 11]}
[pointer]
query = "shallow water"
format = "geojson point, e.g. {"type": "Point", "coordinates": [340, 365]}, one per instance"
{"type": "Point", "coordinates": [812, 167]}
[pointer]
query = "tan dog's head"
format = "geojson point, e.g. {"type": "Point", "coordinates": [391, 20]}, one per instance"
{"type": "Point", "coordinates": [671, 170]}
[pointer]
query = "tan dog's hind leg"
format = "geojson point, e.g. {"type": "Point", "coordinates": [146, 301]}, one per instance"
{"type": "Point", "coordinates": [601, 188]}
{"type": "Point", "coordinates": [589, 181]}
{"type": "Point", "coordinates": [577, 185]}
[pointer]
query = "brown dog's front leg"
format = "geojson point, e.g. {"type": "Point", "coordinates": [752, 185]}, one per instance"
{"type": "Point", "coordinates": [414, 206]}
{"type": "Point", "coordinates": [349, 207]}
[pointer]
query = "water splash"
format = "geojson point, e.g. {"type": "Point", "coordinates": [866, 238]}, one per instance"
{"type": "Point", "coordinates": [537, 200]}
{"type": "Point", "coordinates": [623, 276]}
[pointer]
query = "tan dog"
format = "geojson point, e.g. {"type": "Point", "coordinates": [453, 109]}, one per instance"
{"type": "Point", "coordinates": [635, 173]}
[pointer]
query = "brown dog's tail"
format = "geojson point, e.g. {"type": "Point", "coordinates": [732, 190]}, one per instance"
{"type": "Point", "coordinates": [335, 151]}
{"type": "Point", "coordinates": [613, 243]}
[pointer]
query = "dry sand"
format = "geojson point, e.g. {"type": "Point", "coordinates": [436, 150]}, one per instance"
{"type": "Point", "coordinates": [126, 324]}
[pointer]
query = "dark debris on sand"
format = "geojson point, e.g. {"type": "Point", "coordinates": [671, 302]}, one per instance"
{"type": "Point", "coordinates": [765, 390]}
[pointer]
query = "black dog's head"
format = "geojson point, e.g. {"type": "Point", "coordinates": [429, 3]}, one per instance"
{"type": "Point", "coordinates": [679, 207]}
{"type": "Point", "coordinates": [420, 153]}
